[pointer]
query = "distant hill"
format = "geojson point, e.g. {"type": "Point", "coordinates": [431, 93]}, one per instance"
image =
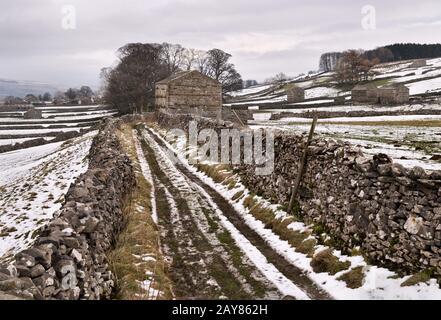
{"type": "Point", "coordinates": [390, 53]}
{"type": "Point", "coordinates": [22, 88]}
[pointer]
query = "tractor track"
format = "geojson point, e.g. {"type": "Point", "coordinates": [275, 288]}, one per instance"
{"type": "Point", "coordinates": [197, 229]}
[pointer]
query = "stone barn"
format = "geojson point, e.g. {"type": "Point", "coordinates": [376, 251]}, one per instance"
{"type": "Point", "coordinates": [365, 93]}
{"type": "Point", "coordinates": [295, 93]}
{"type": "Point", "coordinates": [190, 92]}
{"type": "Point", "coordinates": [394, 94]}
{"type": "Point", "coordinates": [33, 113]}
{"type": "Point", "coordinates": [419, 63]}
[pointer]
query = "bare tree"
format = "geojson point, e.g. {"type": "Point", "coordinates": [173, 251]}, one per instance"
{"type": "Point", "coordinates": [173, 55]}
{"type": "Point", "coordinates": [59, 97]}
{"type": "Point", "coordinates": [189, 59]}
{"type": "Point", "coordinates": [47, 97]}
{"type": "Point", "coordinates": [201, 61]}
{"type": "Point", "coordinates": [278, 78]}
{"type": "Point", "coordinates": [219, 68]}
{"type": "Point", "coordinates": [72, 94]}
{"type": "Point", "coordinates": [353, 67]}
{"type": "Point", "coordinates": [11, 100]}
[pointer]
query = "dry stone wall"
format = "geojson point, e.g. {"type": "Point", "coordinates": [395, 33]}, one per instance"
{"type": "Point", "coordinates": [393, 213]}
{"type": "Point", "coordinates": [340, 114]}
{"type": "Point", "coordinates": [182, 121]}
{"type": "Point", "coordinates": [68, 259]}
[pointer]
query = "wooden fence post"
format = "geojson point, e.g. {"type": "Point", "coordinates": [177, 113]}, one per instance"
{"type": "Point", "coordinates": [302, 167]}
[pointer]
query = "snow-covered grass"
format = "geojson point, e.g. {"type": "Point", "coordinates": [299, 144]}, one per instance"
{"type": "Point", "coordinates": [40, 132]}
{"type": "Point", "coordinates": [377, 283]}
{"type": "Point", "coordinates": [58, 118]}
{"type": "Point", "coordinates": [146, 172]}
{"type": "Point", "coordinates": [401, 154]}
{"type": "Point", "coordinates": [398, 118]}
{"type": "Point", "coordinates": [268, 99]}
{"type": "Point", "coordinates": [43, 125]}
{"type": "Point", "coordinates": [391, 140]}
{"type": "Point", "coordinates": [34, 182]}
{"type": "Point", "coordinates": [425, 86]}
{"type": "Point", "coordinates": [314, 102]}
{"type": "Point", "coordinates": [320, 92]}
{"type": "Point", "coordinates": [4, 142]}
{"type": "Point", "coordinates": [72, 114]}
{"type": "Point", "coordinates": [250, 91]}
{"type": "Point", "coordinates": [137, 259]}
{"type": "Point", "coordinates": [81, 107]}
{"type": "Point", "coordinates": [367, 108]}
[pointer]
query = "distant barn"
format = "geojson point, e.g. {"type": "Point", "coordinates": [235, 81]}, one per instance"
{"type": "Point", "coordinates": [295, 93]}
{"type": "Point", "coordinates": [33, 113]}
{"type": "Point", "coordinates": [190, 92]}
{"type": "Point", "coordinates": [365, 93]}
{"type": "Point", "coordinates": [419, 63]}
{"type": "Point", "coordinates": [394, 94]}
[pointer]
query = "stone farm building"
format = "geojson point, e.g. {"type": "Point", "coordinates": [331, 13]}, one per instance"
{"type": "Point", "coordinates": [33, 113]}
{"type": "Point", "coordinates": [365, 93]}
{"type": "Point", "coordinates": [295, 93]}
{"type": "Point", "coordinates": [419, 63]}
{"type": "Point", "coordinates": [190, 92]}
{"type": "Point", "coordinates": [394, 94]}
{"type": "Point", "coordinates": [388, 95]}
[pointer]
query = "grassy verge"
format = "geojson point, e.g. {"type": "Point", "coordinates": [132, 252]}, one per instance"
{"type": "Point", "coordinates": [137, 260]}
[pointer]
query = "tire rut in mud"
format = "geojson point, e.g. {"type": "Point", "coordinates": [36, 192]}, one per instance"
{"type": "Point", "coordinates": [195, 262]}
{"type": "Point", "coordinates": [296, 275]}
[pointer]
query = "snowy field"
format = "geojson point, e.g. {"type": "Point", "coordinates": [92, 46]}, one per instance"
{"type": "Point", "coordinates": [400, 118]}
{"type": "Point", "coordinates": [15, 129]}
{"type": "Point", "coordinates": [322, 88]}
{"type": "Point", "coordinates": [408, 145]}
{"type": "Point", "coordinates": [33, 183]}
{"type": "Point", "coordinates": [367, 108]}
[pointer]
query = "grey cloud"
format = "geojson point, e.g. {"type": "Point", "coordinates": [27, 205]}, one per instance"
{"type": "Point", "coordinates": [265, 37]}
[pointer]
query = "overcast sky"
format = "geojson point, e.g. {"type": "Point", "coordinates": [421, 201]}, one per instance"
{"type": "Point", "coordinates": [264, 37]}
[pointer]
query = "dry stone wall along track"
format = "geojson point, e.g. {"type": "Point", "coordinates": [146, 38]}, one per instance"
{"type": "Point", "coordinates": [392, 212]}
{"type": "Point", "coordinates": [68, 259]}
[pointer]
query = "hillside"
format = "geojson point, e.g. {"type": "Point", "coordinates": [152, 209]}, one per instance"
{"type": "Point", "coordinates": [408, 133]}
{"type": "Point", "coordinates": [390, 53]}
{"type": "Point", "coordinates": [22, 88]}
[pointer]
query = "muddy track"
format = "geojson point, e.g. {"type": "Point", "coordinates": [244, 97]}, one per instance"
{"type": "Point", "coordinates": [201, 266]}
{"type": "Point", "coordinates": [292, 273]}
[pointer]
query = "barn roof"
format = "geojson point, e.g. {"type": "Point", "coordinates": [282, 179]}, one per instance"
{"type": "Point", "coordinates": [182, 74]}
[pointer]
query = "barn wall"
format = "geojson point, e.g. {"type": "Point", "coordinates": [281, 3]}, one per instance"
{"type": "Point", "coordinates": [191, 94]}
